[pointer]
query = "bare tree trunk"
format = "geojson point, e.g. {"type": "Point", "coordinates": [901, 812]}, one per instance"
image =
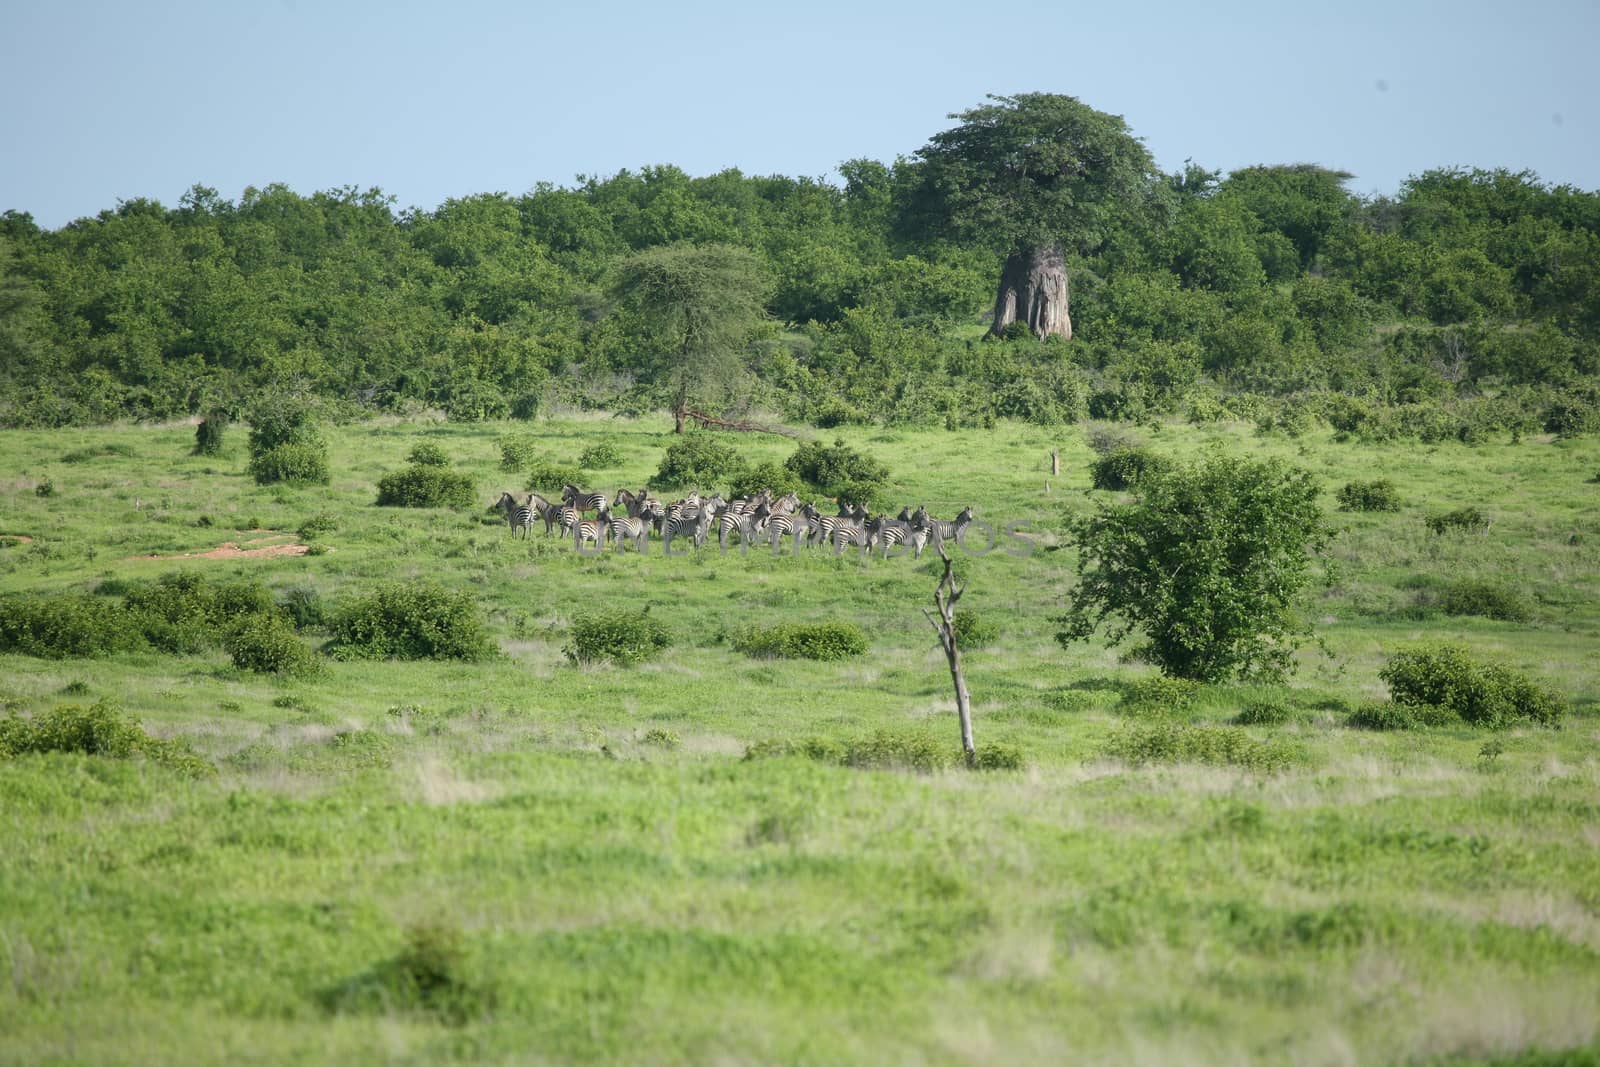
{"type": "Point", "coordinates": [1033, 289]}
{"type": "Point", "coordinates": [944, 598]}
{"type": "Point", "coordinates": [1055, 463]}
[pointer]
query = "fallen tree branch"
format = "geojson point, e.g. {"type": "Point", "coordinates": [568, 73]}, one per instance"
{"type": "Point", "coordinates": [740, 426]}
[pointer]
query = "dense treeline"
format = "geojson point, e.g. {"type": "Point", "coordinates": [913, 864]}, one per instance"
{"type": "Point", "coordinates": [1468, 302]}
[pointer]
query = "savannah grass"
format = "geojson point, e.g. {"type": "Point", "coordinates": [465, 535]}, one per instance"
{"type": "Point", "coordinates": [525, 859]}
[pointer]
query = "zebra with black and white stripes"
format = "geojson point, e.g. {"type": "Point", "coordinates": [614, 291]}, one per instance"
{"type": "Point", "coordinates": [747, 524]}
{"type": "Point", "coordinates": [582, 499]}
{"type": "Point", "coordinates": [621, 528]}
{"type": "Point", "coordinates": [940, 531]}
{"type": "Point", "coordinates": [518, 516]}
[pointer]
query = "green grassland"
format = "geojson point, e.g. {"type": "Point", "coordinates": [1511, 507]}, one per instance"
{"type": "Point", "coordinates": [608, 880]}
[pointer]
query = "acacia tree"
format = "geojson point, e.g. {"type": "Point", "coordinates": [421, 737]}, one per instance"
{"type": "Point", "coordinates": [702, 305]}
{"type": "Point", "coordinates": [1030, 176]}
{"type": "Point", "coordinates": [1206, 561]}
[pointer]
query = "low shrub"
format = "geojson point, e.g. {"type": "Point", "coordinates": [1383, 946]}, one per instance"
{"type": "Point", "coordinates": [974, 631]}
{"type": "Point", "coordinates": [318, 524]}
{"type": "Point", "coordinates": [696, 459]}
{"type": "Point", "coordinates": [1483, 694]}
{"type": "Point", "coordinates": [747, 481]}
{"type": "Point", "coordinates": [601, 455]}
{"type": "Point", "coordinates": [185, 611]}
{"type": "Point", "coordinates": [546, 476]}
{"type": "Point", "coordinates": [624, 637]}
{"type": "Point", "coordinates": [999, 757]}
{"type": "Point", "coordinates": [426, 486]}
{"type": "Point", "coordinates": [1183, 743]}
{"type": "Point", "coordinates": [1467, 520]}
{"type": "Point", "coordinates": [208, 435]}
{"type": "Point", "coordinates": [1263, 713]}
{"type": "Point", "coordinates": [303, 605]}
{"type": "Point", "coordinates": [410, 621]}
{"type": "Point", "coordinates": [45, 488]}
{"type": "Point", "coordinates": [427, 977]}
{"type": "Point", "coordinates": [839, 471]}
{"type": "Point", "coordinates": [1384, 715]}
{"type": "Point", "coordinates": [798, 640]}
{"type": "Point", "coordinates": [1125, 468]}
{"type": "Point", "coordinates": [1489, 600]}
{"type": "Point", "coordinates": [1380, 495]}
{"type": "Point", "coordinates": [268, 644]}
{"type": "Point", "coordinates": [1171, 696]}
{"type": "Point", "coordinates": [913, 750]}
{"type": "Point", "coordinates": [300, 463]}
{"type": "Point", "coordinates": [101, 729]}
{"type": "Point", "coordinates": [67, 626]}
{"type": "Point", "coordinates": [517, 451]}
{"type": "Point", "coordinates": [428, 454]}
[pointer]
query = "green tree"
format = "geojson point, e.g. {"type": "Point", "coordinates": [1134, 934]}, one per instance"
{"type": "Point", "coordinates": [1207, 561]}
{"type": "Point", "coordinates": [1028, 176]}
{"type": "Point", "coordinates": [702, 304]}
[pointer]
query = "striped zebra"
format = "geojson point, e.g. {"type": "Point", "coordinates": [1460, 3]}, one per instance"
{"type": "Point", "coordinates": [850, 533]}
{"type": "Point", "coordinates": [581, 499]}
{"type": "Point", "coordinates": [620, 528]}
{"type": "Point", "coordinates": [585, 530]}
{"type": "Point", "coordinates": [747, 524]}
{"type": "Point", "coordinates": [823, 526]}
{"type": "Point", "coordinates": [892, 532]}
{"type": "Point", "coordinates": [797, 524]}
{"type": "Point", "coordinates": [940, 531]}
{"type": "Point", "coordinates": [694, 524]}
{"type": "Point", "coordinates": [518, 516]}
{"type": "Point", "coordinates": [550, 513]}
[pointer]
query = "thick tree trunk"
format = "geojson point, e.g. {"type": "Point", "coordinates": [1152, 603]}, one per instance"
{"type": "Point", "coordinates": [1033, 289]}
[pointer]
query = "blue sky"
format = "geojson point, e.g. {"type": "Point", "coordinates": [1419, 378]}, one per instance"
{"type": "Point", "coordinates": [111, 101]}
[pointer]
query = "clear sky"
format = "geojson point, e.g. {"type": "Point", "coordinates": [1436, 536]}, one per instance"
{"type": "Point", "coordinates": [108, 101]}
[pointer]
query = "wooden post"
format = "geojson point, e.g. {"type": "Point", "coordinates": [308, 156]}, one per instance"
{"type": "Point", "coordinates": [1055, 463]}
{"type": "Point", "coordinates": [944, 598]}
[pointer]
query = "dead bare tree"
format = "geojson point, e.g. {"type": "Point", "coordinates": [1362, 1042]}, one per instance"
{"type": "Point", "coordinates": [944, 624]}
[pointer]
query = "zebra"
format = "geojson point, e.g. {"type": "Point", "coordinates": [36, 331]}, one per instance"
{"type": "Point", "coordinates": [851, 532]}
{"type": "Point", "coordinates": [584, 530]}
{"type": "Point", "coordinates": [940, 530]}
{"type": "Point", "coordinates": [628, 528]}
{"type": "Point", "coordinates": [797, 524]}
{"type": "Point", "coordinates": [694, 524]}
{"type": "Point", "coordinates": [518, 516]}
{"type": "Point", "coordinates": [550, 513]}
{"type": "Point", "coordinates": [823, 526]}
{"type": "Point", "coordinates": [581, 499]}
{"type": "Point", "coordinates": [891, 532]}
{"type": "Point", "coordinates": [746, 523]}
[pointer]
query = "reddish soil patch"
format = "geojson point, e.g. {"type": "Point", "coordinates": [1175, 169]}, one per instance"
{"type": "Point", "coordinates": [236, 550]}
{"type": "Point", "coordinates": [21, 539]}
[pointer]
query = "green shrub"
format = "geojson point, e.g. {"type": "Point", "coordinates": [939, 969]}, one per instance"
{"type": "Point", "coordinates": [998, 757]}
{"type": "Point", "coordinates": [1483, 694]}
{"type": "Point", "coordinates": [1490, 600]}
{"type": "Point", "coordinates": [1169, 696]}
{"type": "Point", "coordinates": [747, 481]}
{"type": "Point", "coordinates": [1263, 713]}
{"type": "Point", "coordinates": [625, 637]}
{"type": "Point", "coordinates": [185, 612]}
{"type": "Point", "coordinates": [1385, 715]}
{"type": "Point", "coordinates": [1125, 468]}
{"type": "Point", "coordinates": [45, 488]}
{"type": "Point", "coordinates": [1467, 520]}
{"type": "Point", "coordinates": [268, 644]}
{"type": "Point", "coordinates": [798, 640]}
{"type": "Point", "coordinates": [546, 476]}
{"type": "Point", "coordinates": [601, 455]}
{"type": "Point", "coordinates": [661, 738]}
{"type": "Point", "coordinates": [318, 524]}
{"type": "Point", "coordinates": [911, 749]}
{"type": "Point", "coordinates": [839, 471]}
{"type": "Point", "coordinates": [305, 464]}
{"type": "Point", "coordinates": [974, 631]}
{"type": "Point", "coordinates": [410, 621]}
{"type": "Point", "coordinates": [101, 729]}
{"type": "Point", "coordinates": [1379, 495]}
{"type": "Point", "coordinates": [426, 487]}
{"type": "Point", "coordinates": [1184, 743]}
{"type": "Point", "coordinates": [208, 435]}
{"type": "Point", "coordinates": [517, 451]}
{"type": "Point", "coordinates": [66, 626]}
{"type": "Point", "coordinates": [696, 459]}
{"type": "Point", "coordinates": [428, 977]}
{"type": "Point", "coordinates": [428, 454]}
{"type": "Point", "coordinates": [303, 606]}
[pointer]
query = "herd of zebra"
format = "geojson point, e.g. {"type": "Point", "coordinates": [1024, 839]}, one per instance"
{"type": "Point", "coordinates": [632, 517]}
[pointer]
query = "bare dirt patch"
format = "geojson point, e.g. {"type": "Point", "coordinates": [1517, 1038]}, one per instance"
{"type": "Point", "coordinates": [258, 548]}
{"type": "Point", "coordinates": [21, 539]}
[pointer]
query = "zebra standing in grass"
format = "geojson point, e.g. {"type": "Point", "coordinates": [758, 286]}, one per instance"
{"type": "Point", "coordinates": [550, 513]}
{"type": "Point", "coordinates": [518, 516]}
{"type": "Point", "coordinates": [693, 523]}
{"type": "Point", "coordinates": [797, 524]}
{"type": "Point", "coordinates": [747, 524]}
{"type": "Point", "coordinates": [908, 531]}
{"type": "Point", "coordinates": [584, 530]}
{"type": "Point", "coordinates": [581, 499]}
{"type": "Point", "coordinates": [823, 526]}
{"type": "Point", "coordinates": [620, 528]}
{"type": "Point", "coordinates": [940, 531]}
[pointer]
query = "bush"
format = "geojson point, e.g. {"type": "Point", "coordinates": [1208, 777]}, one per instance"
{"type": "Point", "coordinates": [600, 456]}
{"type": "Point", "coordinates": [768, 475]}
{"type": "Point", "coordinates": [304, 464]}
{"type": "Point", "coordinates": [1183, 743]}
{"type": "Point", "coordinates": [1380, 495]}
{"type": "Point", "coordinates": [1386, 715]}
{"type": "Point", "coordinates": [428, 454]}
{"type": "Point", "coordinates": [840, 471]}
{"type": "Point", "coordinates": [625, 637]}
{"type": "Point", "coordinates": [517, 451]}
{"type": "Point", "coordinates": [427, 977]}
{"type": "Point", "coordinates": [1445, 676]}
{"type": "Point", "coordinates": [426, 486]}
{"type": "Point", "coordinates": [796, 640]}
{"type": "Point", "coordinates": [974, 631]}
{"type": "Point", "coordinates": [697, 459]}
{"type": "Point", "coordinates": [208, 435]}
{"type": "Point", "coordinates": [66, 626]}
{"type": "Point", "coordinates": [318, 524]}
{"type": "Point", "coordinates": [180, 613]}
{"type": "Point", "coordinates": [1206, 561]}
{"type": "Point", "coordinates": [1467, 520]}
{"type": "Point", "coordinates": [546, 476]}
{"type": "Point", "coordinates": [913, 749]}
{"type": "Point", "coordinates": [1161, 694]}
{"type": "Point", "coordinates": [101, 729]}
{"type": "Point", "coordinates": [998, 757]}
{"type": "Point", "coordinates": [303, 605]}
{"type": "Point", "coordinates": [45, 488]}
{"type": "Point", "coordinates": [1125, 468]}
{"type": "Point", "coordinates": [185, 612]}
{"type": "Point", "coordinates": [410, 621]}
{"type": "Point", "coordinates": [1263, 713]}
{"type": "Point", "coordinates": [267, 644]}
{"type": "Point", "coordinates": [1487, 599]}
